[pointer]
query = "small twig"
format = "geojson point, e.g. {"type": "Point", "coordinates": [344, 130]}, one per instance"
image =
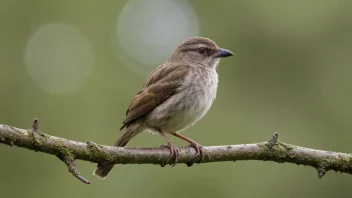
{"type": "Point", "coordinates": [321, 172]}
{"type": "Point", "coordinates": [71, 165]}
{"type": "Point", "coordinates": [35, 126]}
{"type": "Point", "coordinates": [35, 133]}
{"type": "Point", "coordinates": [273, 140]}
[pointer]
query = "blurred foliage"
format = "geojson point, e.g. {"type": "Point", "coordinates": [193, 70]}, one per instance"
{"type": "Point", "coordinates": [291, 74]}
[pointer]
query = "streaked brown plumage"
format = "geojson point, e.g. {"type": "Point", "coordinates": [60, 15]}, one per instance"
{"type": "Point", "coordinates": [175, 95]}
{"type": "Point", "coordinates": [161, 84]}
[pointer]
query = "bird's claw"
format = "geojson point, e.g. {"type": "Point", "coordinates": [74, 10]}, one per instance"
{"type": "Point", "coordinates": [172, 160]}
{"type": "Point", "coordinates": [199, 152]}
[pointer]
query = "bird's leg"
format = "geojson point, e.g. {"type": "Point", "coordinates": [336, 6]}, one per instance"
{"type": "Point", "coordinates": [173, 149]}
{"type": "Point", "coordinates": [195, 145]}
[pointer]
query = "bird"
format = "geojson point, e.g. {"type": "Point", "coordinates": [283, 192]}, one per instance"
{"type": "Point", "coordinates": [174, 96]}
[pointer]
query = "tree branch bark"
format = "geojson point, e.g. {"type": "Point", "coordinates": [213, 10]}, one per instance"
{"type": "Point", "coordinates": [272, 150]}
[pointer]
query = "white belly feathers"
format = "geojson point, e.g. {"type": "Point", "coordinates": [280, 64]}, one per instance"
{"type": "Point", "coordinates": [185, 108]}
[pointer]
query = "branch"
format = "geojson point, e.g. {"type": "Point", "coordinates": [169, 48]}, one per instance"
{"type": "Point", "coordinates": [272, 150]}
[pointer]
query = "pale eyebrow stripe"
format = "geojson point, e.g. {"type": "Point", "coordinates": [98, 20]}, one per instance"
{"type": "Point", "coordinates": [195, 46]}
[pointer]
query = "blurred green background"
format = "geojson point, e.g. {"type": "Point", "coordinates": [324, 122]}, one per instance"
{"type": "Point", "coordinates": [75, 65]}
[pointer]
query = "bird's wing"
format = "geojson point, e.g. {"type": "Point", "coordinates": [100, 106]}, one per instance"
{"type": "Point", "coordinates": [159, 86]}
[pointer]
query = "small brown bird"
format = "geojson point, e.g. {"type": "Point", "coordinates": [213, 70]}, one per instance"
{"type": "Point", "coordinates": [175, 96]}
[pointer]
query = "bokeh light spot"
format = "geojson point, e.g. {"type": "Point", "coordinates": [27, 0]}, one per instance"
{"type": "Point", "coordinates": [58, 58]}
{"type": "Point", "coordinates": [148, 31]}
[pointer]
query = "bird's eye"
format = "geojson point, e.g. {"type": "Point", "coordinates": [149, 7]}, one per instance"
{"type": "Point", "coordinates": [202, 50]}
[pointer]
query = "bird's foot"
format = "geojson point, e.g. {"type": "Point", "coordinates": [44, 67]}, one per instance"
{"type": "Point", "coordinates": [199, 152]}
{"type": "Point", "coordinates": [172, 160]}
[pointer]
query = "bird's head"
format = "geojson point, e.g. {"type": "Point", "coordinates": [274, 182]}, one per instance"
{"type": "Point", "coordinates": [199, 51]}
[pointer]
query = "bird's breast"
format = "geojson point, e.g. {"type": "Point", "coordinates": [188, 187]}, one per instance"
{"type": "Point", "coordinates": [191, 102]}
{"type": "Point", "coordinates": [201, 89]}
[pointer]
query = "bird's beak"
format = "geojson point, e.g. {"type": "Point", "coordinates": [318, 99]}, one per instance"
{"type": "Point", "coordinates": [223, 53]}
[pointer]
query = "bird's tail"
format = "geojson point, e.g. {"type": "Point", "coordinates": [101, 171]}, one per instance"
{"type": "Point", "coordinates": [130, 131]}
